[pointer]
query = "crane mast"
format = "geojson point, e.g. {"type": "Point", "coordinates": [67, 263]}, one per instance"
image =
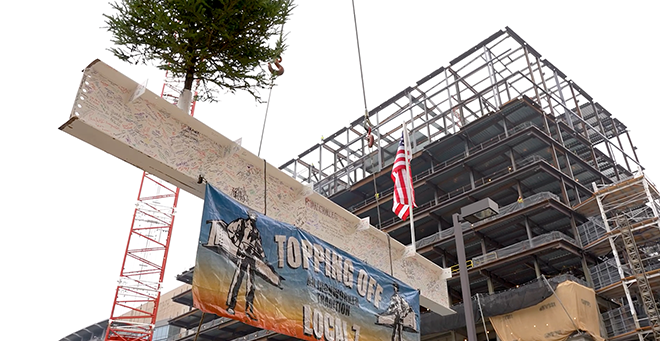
{"type": "Point", "coordinates": [143, 266]}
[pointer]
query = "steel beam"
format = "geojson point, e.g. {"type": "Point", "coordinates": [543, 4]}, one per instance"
{"type": "Point", "coordinates": [178, 149]}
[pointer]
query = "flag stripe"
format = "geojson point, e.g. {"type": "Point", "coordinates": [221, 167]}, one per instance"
{"type": "Point", "coordinates": [402, 181]}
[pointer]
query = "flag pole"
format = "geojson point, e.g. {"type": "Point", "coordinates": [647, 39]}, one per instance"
{"type": "Point", "coordinates": [409, 189]}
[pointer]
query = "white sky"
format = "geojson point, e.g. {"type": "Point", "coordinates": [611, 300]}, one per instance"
{"type": "Point", "coordinates": [67, 206]}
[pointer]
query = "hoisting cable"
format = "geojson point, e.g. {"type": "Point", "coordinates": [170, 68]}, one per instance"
{"type": "Point", "coordinates": [263, 129]}
{"type": "Point", "coordinates": [357, 39]}
{"type": "Point", "coordinates": [367, 123]}
{"type": "Point", "coordinates": [274, 73]}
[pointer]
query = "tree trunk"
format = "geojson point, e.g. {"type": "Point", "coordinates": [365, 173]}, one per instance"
{"type": "Point", "coordinates": [190, 74]}
{"type": "Point", "coordinates": [190, 77]}
{"type": "Point", "coordinates": [186, 95]}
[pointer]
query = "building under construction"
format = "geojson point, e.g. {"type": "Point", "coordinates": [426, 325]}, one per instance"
{"type": "Point", "coordinates": [503, 123]}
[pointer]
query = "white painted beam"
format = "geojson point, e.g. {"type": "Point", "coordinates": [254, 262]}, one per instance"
{"type": "Point", "coordinates": [156, 136]}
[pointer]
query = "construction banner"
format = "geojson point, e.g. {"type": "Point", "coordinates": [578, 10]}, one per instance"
{"type": "Point", "coordinates": [572, 308]}
{"type": "Point", "coordinates": [274, 276]}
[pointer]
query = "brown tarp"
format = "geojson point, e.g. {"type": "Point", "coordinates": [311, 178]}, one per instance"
{"type": "Point", "coordinates": [573, 308]}
{"type": "Point", "coordinates": [500, 303]}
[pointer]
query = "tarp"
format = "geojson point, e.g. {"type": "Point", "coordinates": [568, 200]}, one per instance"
{"type": "Point", "coordinates": [274, 276]}
{"type": "Point", "coordinates": [499, 303]}
{"type": "Point", "coordinates": [572, 309]}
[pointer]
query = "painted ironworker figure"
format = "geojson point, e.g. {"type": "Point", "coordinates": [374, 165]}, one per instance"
{"type": "Point", "coordinates": [245, 236]}
{"type": "Point", "coordinates": [399, 309]}
{"type": "Point", "coordinates": [240, 242]}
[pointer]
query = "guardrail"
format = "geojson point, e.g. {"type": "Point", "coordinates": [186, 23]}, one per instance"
{"type": "Point", "coordinates": [504, 211]}
{"type": "Point", "coordinates": [591, 231]}
{"type": "Point", "coordinates": [441, 166]}
{"type": "Point", "coordinates": [607, 273]}
{"type": "Point", "coordinates": [461, 190]}
{"type": "Point", "coordinates": [522, 246]}
{"type": "Point", "coordinates": [456, 268]}
{"type": "Point", "coordinates": [620, 321]}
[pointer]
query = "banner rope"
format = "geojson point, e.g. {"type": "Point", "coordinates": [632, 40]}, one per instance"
{"type": "Point", "coordinates": [199, 327]}
{"type": "Point", "coordinates": [545, 280]}
{"type": "Point", "coordinates": [483, 320]}
{"type": "Point", "coordinates": [265, 187]}
{"type": "Point", "coordinates": [389, 249]}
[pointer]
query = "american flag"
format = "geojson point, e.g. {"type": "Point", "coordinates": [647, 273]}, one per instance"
{"type": "Point", "coordinates": [404, 194]}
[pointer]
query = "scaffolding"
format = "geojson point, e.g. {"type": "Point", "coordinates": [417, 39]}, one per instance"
{"type": "Point", "coordinates": [626, 231]}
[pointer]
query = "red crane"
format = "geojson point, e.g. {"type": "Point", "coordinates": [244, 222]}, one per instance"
{"type": "Point", "coordinates": [143, 267]}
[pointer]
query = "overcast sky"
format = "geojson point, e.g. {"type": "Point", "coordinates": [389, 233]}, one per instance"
{"type": "Point", "coordinates": [67, 206]}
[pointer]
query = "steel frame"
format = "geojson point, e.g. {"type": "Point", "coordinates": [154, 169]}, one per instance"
{"type": "Point", "coordinates": [480, 82]}
{"type": "Point", "coordinates": [491, 74]}
{"type": "Point", "coordinates": [575, 131]}
{"type": "Point", "coordinates": [145, 258]}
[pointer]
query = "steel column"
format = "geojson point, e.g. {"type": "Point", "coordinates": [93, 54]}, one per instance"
{"type": "Point", "coordinates": [465, 279]}
{"type": "Point", "coordinates": [634, 149]}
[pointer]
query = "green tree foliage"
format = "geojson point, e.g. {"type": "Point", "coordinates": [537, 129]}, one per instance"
{"type": "Point", "coordinates": [222, 43]}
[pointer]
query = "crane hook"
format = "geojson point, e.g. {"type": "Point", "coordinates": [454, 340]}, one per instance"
{"type": "Point", "coordinates": [280, 68]}
{"type": "Point", "coordinates": [370, 138]}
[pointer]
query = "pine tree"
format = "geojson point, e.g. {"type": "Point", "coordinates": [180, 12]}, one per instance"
{"type": "Point", "coordinates": [222, 43]}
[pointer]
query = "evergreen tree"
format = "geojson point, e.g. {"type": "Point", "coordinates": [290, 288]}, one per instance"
{"type": "Point", "coordinates": [222, 43]}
